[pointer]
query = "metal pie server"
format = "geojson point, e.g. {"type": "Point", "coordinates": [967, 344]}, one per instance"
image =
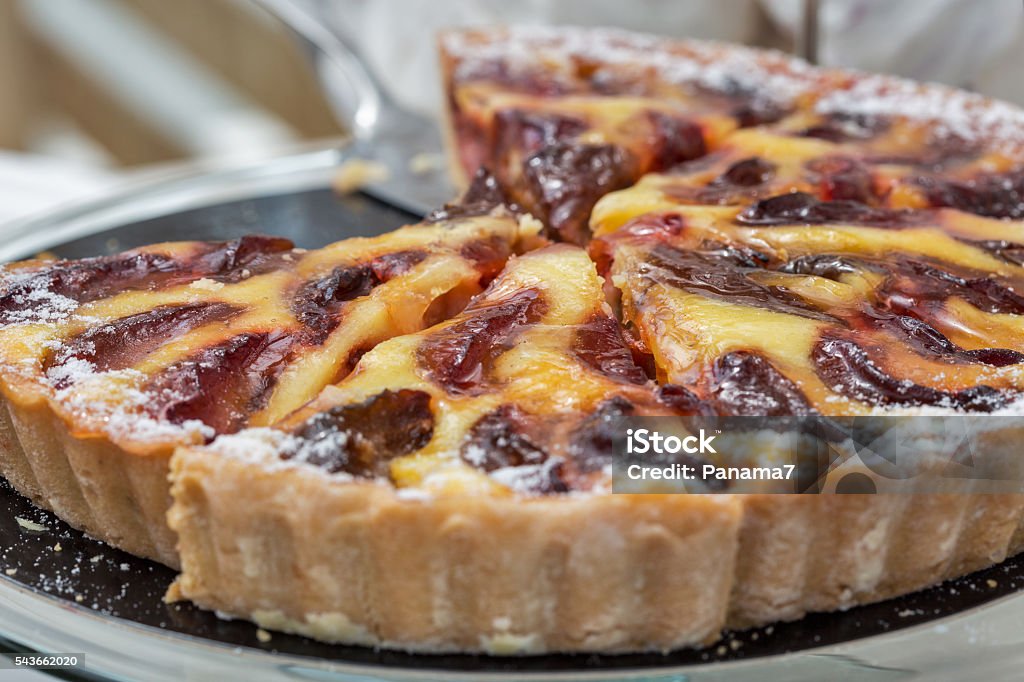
{"type": "Point", "coordinates": [381, 130]}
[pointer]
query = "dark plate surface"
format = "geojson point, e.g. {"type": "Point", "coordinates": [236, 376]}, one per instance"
{"type": "Point", "coordinates": [311, 219]}
{"type": "Point", "coordinates": [63, 564]}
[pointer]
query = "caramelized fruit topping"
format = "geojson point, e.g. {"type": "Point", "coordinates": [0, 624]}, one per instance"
{"type": "Point", "coordinates": [927, 339]}
{"type": "Point", "coordinates": [724, 274]}
{"type": "Point", "coordinates": [843, 179]}
{"type": "Point", "coordinates": [758, 112]}
{"type": "Point", "coordinates": [800, 208]}
{"type": "Point", "coordinates": [747, 384]}
{"type": "Point", "coordinates": [485, 193]}
{"type": "Point", "coordinates": [91, 279]}
{"type": "Point", "coordinates": [827, 265]}
{"type": "Point", "coordinates": [683, 401]}
{"type": "Point", "coordinates": [458, 355]}
{"type": "Point", "coordinates": [498, 440]}
{"type": "Point", "coordinates": [989, 195]}
{"type": "Point", "coordinates": [592, 443]}
{"type": "Point", "coordinates": [237, 259]}
{"type": "Point", "coordinates": [501, 439]}
{"type": "Point", "coordinates": [360, 439]}
{"type": "Point", "coordinates": [119, 344]}
{"type": "Point", "coordinates": [843, 127]}
{"type": "Point", "coordinates": [599, 345]}
{"type": "Point", "coordinates": [318, 304]}
{"type": "Point", "coordinates": [914, 283]}
{"type": "Point", "coordinates": [847, 369]}
{"type": "Point", "coordinates": [674, 140]}
{"type": "Point", "coordinates": [748, 105]}
{"type": "Point", "coordinates": [526, 132]}
{"type": "Point", "coordinates": [1011, 252]}
{"type": "Point", "coordinates": [741, 181]}
{"type": "Point", "coordinates": [747, 173]}
{"type": "Point", "coordinates": [223, 384]}
{"type": "Point", "coordinates": [565, 180]}
{"type": "Point", "coordinates": [487, 255]}
{"type": "Point", "coordinates": [83, 281]}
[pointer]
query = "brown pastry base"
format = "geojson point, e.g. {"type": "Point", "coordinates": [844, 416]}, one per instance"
{"type": "Point", "coordinates": [355, 562]}
{"type": "Point", "coordinates": [800, 554]}
{"type": "Point", "coordinates": [297, 551]}
{"type": "Point", "coordinates": [94, 485]}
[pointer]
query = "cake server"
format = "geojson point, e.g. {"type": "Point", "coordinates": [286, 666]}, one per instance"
{"type": "Point", "coordinates": [381, 131]}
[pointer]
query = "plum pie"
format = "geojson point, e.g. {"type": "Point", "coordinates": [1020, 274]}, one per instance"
{"type": "Point", "coordinates": [406, 441]}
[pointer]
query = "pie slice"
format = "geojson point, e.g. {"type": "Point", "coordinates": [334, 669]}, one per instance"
{"type": "Point", "coordinates": [563, 116]}
{"type": "Point", "coordinates": [761, 313]}
{"type": "Point", "coordinates": [798, 304]}
{"type": "Point", "coordinates": [453, 493]}
{"type": "Point", "coordinates": [107, 364]}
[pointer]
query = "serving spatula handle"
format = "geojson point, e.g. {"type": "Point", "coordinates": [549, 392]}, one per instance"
{"type": "Point", "coordinates": [383, 131]}
{"type": "Point", "coordinates": [353, 92]}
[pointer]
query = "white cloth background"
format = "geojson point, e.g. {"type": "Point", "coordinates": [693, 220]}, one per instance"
{"type": "Point", "coordinates": [975, 44]}
{"type": "Point", "coordinates": [30, 184]}
{"type": "Point", "coordinates": [978, 44]}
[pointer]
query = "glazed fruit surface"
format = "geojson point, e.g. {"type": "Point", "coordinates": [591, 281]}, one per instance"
{"type": "Point", "coordinates": [186, 341]}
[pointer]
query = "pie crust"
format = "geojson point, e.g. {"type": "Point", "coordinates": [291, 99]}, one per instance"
{"type": "Point", "coordinates": [611, 573]}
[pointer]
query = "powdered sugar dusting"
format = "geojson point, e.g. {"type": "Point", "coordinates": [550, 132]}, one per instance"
{"type": "Point", "coordinates": [265, 446]}
{"type": "Point", "coordinates": [33, 301]}
{"type": "Point", "coordinates": [1014, 409]}
{"type": "Point", "coordinates": [953, 112]}
{"type": "Point", "coordinates": [323, 448]}
{"type": "Point", "coordinates": [70, 372]}
{"type": "Point", "coordinates": [258, 444]}
{"type": "Point", "coordinates": [766, 74]}
{"type": "Point", "coordinates": [526, 479]}
{"type": "Point", "coordinates": [474, 455]}
{"type": "Point", "coordinates": [113, 399]}
{"type": "Point", "coordinates": [717, 66]}
{"type": "Point", "coordinates": [110, 401]}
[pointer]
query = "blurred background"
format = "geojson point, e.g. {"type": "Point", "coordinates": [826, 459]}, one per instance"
{"type": "Point", "coordinates": [93, 89]}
